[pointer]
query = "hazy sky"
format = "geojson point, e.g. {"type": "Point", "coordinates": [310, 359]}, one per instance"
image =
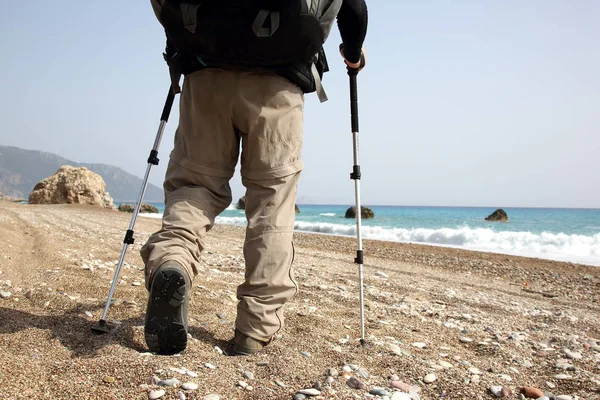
{"type": "Point", "coordinates": [473, 103]}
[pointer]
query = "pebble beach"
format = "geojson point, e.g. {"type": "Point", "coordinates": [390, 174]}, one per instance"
{"type": "Point", "coordinates": [440, 323]}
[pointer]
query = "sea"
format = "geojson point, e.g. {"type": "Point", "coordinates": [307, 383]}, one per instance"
{"type": "Point", "coordinates": [561, 234]}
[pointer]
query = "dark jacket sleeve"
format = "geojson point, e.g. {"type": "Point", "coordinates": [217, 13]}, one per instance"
{"type": "Point", "coordinates": [352, 22]}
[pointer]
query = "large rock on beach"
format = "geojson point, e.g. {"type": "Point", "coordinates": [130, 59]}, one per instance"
{"type": "Point", "coordinates": [498, 216]}
{"type": "Point", "coordinates": [70, 185]}
{"type": "Point", "coordinates": [365, 213]}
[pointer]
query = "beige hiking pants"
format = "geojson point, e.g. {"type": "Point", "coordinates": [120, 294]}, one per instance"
{"type": "Point", "coordinates": [218, 110]}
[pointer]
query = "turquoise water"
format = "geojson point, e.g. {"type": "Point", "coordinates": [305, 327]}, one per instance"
{"type": "Point", "coordinates": [552, 233]}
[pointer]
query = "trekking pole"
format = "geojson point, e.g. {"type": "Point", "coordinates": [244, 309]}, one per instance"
{"type": "Point", "coordinates": [152, 160]}
{"type": "Point", "coordinates": [355, 175]}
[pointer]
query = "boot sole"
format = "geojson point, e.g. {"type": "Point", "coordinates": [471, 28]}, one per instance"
{"type": "Point", "coordinates": [166, 326]}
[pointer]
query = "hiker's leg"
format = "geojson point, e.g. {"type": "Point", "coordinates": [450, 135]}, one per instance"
{"type": "Point", "coordinates": [197, 180]}
{"type": "Point", "coordinates": [272, 110]}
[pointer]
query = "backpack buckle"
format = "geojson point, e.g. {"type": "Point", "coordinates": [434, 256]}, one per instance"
{"type": "Point", "coordinates": [259, 27]}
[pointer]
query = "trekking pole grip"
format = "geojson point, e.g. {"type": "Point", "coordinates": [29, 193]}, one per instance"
{"type": "Point", "coordinates": [352, 73]}
{"type": "Point", "coordinates": [168, 104]}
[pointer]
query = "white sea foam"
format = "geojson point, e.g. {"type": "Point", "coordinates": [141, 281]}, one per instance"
{"type": "Point", "coordinates": [327, 214]}
{"type": "Point", "coordinates": [561, 247]}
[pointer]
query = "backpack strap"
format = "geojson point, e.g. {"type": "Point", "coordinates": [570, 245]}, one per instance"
{"type": "Point", "coordinates": [189, 14]}
{"type": "Point", "coordinates": [318, 84]}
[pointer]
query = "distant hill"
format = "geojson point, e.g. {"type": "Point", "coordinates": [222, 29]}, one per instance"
{"type": "Point", "coordinates": [21, 169]}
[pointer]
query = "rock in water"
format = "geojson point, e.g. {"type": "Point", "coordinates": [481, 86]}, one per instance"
{"type": "Point", "coordinates": [71, 185]}
{"type": "Point", "coordinates": [365, 213]}
{"type": "Point", "coordinates": [499, 215]}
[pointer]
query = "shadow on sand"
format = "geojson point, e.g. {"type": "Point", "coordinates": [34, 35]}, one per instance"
{"type": "Point", "coordinates": [74, 330]}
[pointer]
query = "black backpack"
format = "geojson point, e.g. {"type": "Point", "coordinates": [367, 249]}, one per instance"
{"type": "Point", "coordinates": [284, 36]}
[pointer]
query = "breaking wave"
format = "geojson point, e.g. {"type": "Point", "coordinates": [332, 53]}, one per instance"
{"type": "Point", "coordinates": [560, 247]}
{"type": "Point", "coordinates": [554, 246]}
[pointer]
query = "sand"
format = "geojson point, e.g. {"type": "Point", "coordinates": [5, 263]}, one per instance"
{"type": "Point", "coordinates": [475, 320]}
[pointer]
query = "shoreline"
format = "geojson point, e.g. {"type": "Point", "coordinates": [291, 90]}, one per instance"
{"type": "Point", "coordinates": [581, 260]}
{"type": "Point", "coordinates": [474, 320]}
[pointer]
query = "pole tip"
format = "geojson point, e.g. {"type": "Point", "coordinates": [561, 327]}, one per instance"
{"type": "Point", "coordinates": [101, 327]}
{"type": "Point", "coordinates": [363, 342]}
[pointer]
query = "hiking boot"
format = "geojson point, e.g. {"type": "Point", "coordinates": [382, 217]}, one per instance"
{"type": "Point", "coordinates": [166, 314]}
{"type": "Point", "coordinates": [245, 345]}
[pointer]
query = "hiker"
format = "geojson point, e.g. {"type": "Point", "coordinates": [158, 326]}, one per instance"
{"type": "Point", "coordinates": [226, 100]}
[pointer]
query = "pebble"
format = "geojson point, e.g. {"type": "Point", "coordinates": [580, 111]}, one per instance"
{"type": "Point", "coordinates": [429, 378]}
{"type": "Point", "coordinates": [562, 376]}
{"type": "Point", "coordinates": [262, 363]}
{"type": "Point", "coordinates": [156, 394]}
{"type": "Point", "coordinates": [248, 375]}
{"type": "Point", "coordinates": [89, 314]}
{"type": "Point", "coordinates": [379, 391]}
{"type": "Point", "coordinates": [401, 396]}
{"type": "Point", "coordinates": [394, 348]}
{"type": "Point", "coordinates": [563, 397]}
{"type": "Point", "coordinates": [445, 364]}
{"type": "Point", "coordinates": [405, 387]}
{"type": "Point", "coordinates": [178, 370]}
{"type": "Point", "coordinates": [189, 386]}
{"type": "Point", "coordinates": [550, 385]}
{"type": "Point", "coordinates": [465, 340]}
{"type": "Point", "coordinates": [210, 366]}
{"type": "Point", "coordinates": [136, 283]}
{"type": "Point", "coordinates": [531, 392]}
{"type": "Point", "coordinates": [28, 294]}
{"type": "Point", "coordinates": [355, 383]}
{"type": "Point", "coordinates": [363, 373]}
{"type": "Point", "coordinates": [309, 392]}
{"type": "Point", "coordinates": [180, 395]}
{"type": "Point", "coordinates": [573, 355]}
{"type": "Point", "coordinates": [419, 345]}
{"type": "Point", "coordinates": [305, 353]}
{"type": "Point", "coordinates": [331, 372]}
{"type": "Point", "coordinates": [212, 397]}
{"type": "Point", "coordinates": [381, 274]}
{"type": "Point", "coordinates": [108, 379]}
{"type": "Point", "coordinates": [299, 396]}
{"type": "Point", "coordinates": [496, 390]}
{"type": "Point", "coordinates": [474, 371]}
{"type": "Point", "coordinates": [5, 295]}
{"type": "Point", "coordinates": [192, 374]}
{"type": "Point", "coordinates": [169, 382]}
